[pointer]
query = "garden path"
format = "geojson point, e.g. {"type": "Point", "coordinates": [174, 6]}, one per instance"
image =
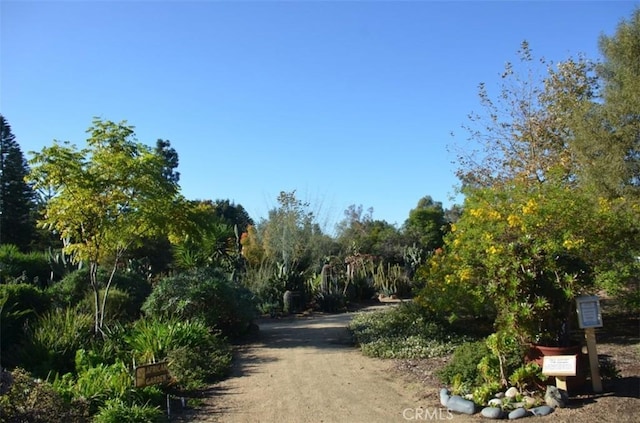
{"type": "Point", "coordinates": [306, 369]}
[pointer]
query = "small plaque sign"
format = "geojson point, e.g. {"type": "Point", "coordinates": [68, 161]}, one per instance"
{"type": "Point", "coordinates": [152, 374]}
{"type": "Point", "coordinates": [589, 315]}
{"type": "Point", "coordinates": [559, 365]}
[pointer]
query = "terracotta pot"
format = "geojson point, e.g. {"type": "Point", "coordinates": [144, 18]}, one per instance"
{"type": "Point", "coordinates": [537, 352]}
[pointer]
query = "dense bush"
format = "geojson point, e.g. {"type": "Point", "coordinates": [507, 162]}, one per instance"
{"type": "Point", "coordinates": [16, 266]}
{"type": "Point", "coordinates": [53, 340]}
{"type": "Point", "coordinates": [20, 304]}
{"type": "Point", "coordinates": [204, 294]}
{"type": "Point", "coordinates": [120, 306]}
{"type": "Point", "coordinates": [463, 367]}
{"type": "Point", "coordinates": [195, 354]}
{"type": "Point", "coordinates": [403, 332]}
{"type": "Point", "coordinates": [75, 287]}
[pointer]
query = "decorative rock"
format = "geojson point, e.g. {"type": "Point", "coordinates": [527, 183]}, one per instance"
{"type": "Point", "coordinates": [492, 413]}
{"type": "Point", "coordinates": [518, 413]}
{"type": "Point", "coordinates": [461, 405]}
{"type": "Point", "coordinates": [543, 410]}
{"type": "Point", "coordinates": [529, 401]}
{"type": "Point", "coordinates": [511, 392]}
{"type": "Point", "coordinates": [444, 397]}
{"type": "Point", "coordinates": [495, 402]}
{"type": "Point", "coordinates": [555, 398]}
{"type": "Point", "coordinates": [500, 395]}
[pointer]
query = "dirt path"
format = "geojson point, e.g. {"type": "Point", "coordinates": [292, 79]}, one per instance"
{"type": "Point", "coordinates": [307, 370]}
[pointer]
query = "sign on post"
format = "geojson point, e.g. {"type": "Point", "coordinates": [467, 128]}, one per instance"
{"type": "Point", "coordinates": [589, 315]}
{"type": "Point", "coordinates": [152, 374]}
{"type": "Point", "coordinates": [589, 318]}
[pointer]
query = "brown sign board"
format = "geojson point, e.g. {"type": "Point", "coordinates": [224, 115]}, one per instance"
{"type": "Point", "coordinates": [152, 374]}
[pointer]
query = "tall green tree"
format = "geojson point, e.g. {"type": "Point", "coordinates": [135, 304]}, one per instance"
{"type": "Point", "coordinates": [17, 198]}
{"type": "Point", "coordinates": [107, 197]}
{"type": "Point", "coordinates": [426, 224]}
{"type": "Point", "coordinates": [360, 233]}
{"type": "Point", "coordinates": [171, 160]}
{"type": "Point", "coordinates": [612, 140]}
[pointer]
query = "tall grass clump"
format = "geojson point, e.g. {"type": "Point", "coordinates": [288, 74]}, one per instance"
{"type": "Point", "coordinates": [54, 340]}
{"type": "Point", "coordinates": [196, 355]}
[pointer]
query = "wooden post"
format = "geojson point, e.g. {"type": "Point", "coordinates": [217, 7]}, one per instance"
{"type": "Point", "coordinates": [596, 381]}
{"type": "Point", "coordinates": [590, 317]}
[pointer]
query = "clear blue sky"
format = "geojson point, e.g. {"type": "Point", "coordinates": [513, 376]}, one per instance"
{"type": "Point", "coordinates": [346, 102]}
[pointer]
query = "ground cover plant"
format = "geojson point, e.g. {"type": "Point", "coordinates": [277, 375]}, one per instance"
{"type": "Point", "coordinates": [405, 331]}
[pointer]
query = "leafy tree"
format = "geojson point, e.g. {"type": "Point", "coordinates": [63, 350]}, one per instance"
{"type": "Point", "coordinates": [107, 197]}
{"type": "Point", "coordinates": [287, 231]}
{"type": "Point", "coordinates": [170, 156]}
{"type": "Point", "coordinates": [425, 225]}
{"type": "Point", "coordinates": [615, 121]}
{"type": "Point", "coordinates": [233, 214]}
{"type": "Point", "coordinates": [530, 249]}
{"type": "Point", "coordinates": [525, 131]}
{"type": "Point", "coordinates": [17, 198]}
{"type": "Point", "coordinates": [359, 233]}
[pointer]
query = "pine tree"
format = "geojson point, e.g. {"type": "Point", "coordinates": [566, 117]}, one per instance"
{"type": "Point", "coordinates": [17, 224]}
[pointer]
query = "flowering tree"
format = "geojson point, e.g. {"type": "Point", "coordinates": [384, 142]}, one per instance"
{"type": "Point", "coordinates": [527, 250]}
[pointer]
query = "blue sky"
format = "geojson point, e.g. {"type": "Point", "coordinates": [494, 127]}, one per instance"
{"type": "Point", "coordinates": [346, 102]}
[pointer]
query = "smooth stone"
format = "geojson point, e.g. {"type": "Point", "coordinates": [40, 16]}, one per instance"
{"type": "Point", "coordinates": [500, 395]}
{"type": "Point", "coordinates": [461, 405]}
{"type": "Point", "coordinates": [495, 402]}
{"type": "Point", "coordinates": [511, 392]}
{"type": "Point", "coordinates": [529, 401]}
{"type": "Point", "coordinates": [543, 410]}
{"type": "Point", "coordinates": [492, 412]}
{"type": "Point", "coordinates": [444, 397]}
{"type": "Point", "coordinates": [517, 413]}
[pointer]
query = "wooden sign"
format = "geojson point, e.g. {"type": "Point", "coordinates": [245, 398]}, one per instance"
{"type": "Point", "coordinates": [152, 374]}
{"type": "Point", "coordinates": [589, 315]}
{"type": "Point", "coordinates": [559, 365]}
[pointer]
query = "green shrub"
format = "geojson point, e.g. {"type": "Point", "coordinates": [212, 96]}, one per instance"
{"type": "Point", "coordinates": [195, 354]}
{"type": "Point", "coordinates": [97, 384]}
{"type": "Point", "coordinates": [54, 340]}
{"type": "Point", "coordinates": [403, 332]}
{"type": "Point", "coordinates": [117, 411]}
{"type": "Point", "coordinates": [330, 302]}
{"type": "Point", "coordinates": [204, 294]}
{"type": "Point", "coordinates": [464, 364]}
{"type": "Point", "coordinates": [18, 267]}
{"type": "Point", "coordinates": [192, 368]}
{"type": "Point", "coordinates": [483, 393]}
{"type": "Point", "coordinates": [75, 287]}
{"type": "Point", "coordinates": [120, 307]}
{"type": "Point", "coordinates": [19, 306]}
